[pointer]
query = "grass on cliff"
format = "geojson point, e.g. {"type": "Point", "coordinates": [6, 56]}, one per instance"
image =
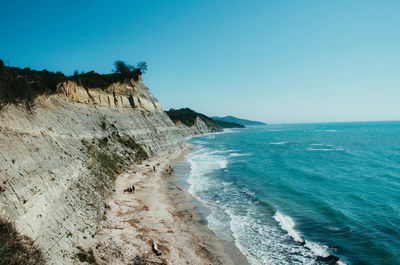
{"type": "Point", "coordinates": [129, 143]}
{"type": "Point", "coordinates": [106, 158]}
{"type": "Point", "coordinates": [105, 165]}
{"type": "Point", "coordinates": [16, 249]}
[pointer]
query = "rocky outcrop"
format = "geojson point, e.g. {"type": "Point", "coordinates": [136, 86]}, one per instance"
{"type": "Point", "coordinates": [126, 95]}
{"type": "Point", "coordinates": [58, 164]}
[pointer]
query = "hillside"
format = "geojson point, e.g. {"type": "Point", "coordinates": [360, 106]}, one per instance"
{"type": "Point", "coordinates": [233, 119]}
{"type": "Point", "coordinates": [189, 117]}
{"type": "Point", "coordinates": [59, 160]}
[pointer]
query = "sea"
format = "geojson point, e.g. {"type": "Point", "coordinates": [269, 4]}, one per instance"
{"type": "Point", "coordinates": [325, 193]}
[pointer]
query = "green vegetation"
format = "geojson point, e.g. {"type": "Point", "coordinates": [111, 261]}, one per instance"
{"type": "Point", "coordinates": [105, 165]}
{"type": "Point", "coordinates": [109, 163]}
{"type": "Point", "coordinates": [19, 85]}
{"type": "Point", "coordinates": [129, 143]}
{"type": "Point", "coordinates": [86, 256]}
{"type": "Point", "coordinates": [227, 124]}
{"type": "Point", "coordinates": [122, 73]}
{"type": "Point", "coordinates": [17, 249]}
{"type": "Point", "coordinates": [24, 85]}
{"type": "Point", "coordinates": [103, 142]}
{"type": "Point", "coordinates": [106, 155]}
{"type": "Point", "coordinates": [243, 122]}
{"type": "Point", "coordinates": [188, 117]}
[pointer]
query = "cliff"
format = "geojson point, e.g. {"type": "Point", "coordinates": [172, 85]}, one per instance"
{"type": "Point", "coordinates": [190, 117]}
{"type": "Point", "coordinates": [59, 163]}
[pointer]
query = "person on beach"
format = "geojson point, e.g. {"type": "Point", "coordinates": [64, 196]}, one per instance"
{"type": "Point", "coordinates": [154, 168]}
{"type": "Point", "coordinates": [130, 189]}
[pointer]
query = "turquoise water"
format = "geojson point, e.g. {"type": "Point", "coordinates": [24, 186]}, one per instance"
{"type": "Point", "coordinates": [294, 194]}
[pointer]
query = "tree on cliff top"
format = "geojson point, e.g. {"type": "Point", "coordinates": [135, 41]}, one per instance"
{"type": "Point", "coordinates": [127, 70]}
{"type": "Point", "coordinates": [142, 66]}
{"type": "Point", "coordinates": [122, 68]}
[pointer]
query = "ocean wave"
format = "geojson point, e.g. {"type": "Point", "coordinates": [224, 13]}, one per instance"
{"type": "Point", "coordinates": [279, 143]}
{"type": "Point", "coordinates": [225, 131]}
{"type": "Point", "coordinates": [223, 151]}
{"type": "Point", "coordinates": [237, 154]}
{"type": "Point", "coordinates": [212, 133]}
{"type": "Point", "coordinates": [266, 243]}
{"type": "Point", "coordinates": [203, 162]}
{"type": "Point", "coordinates": [321, 144]}
{"type": "Point", "coordinates": [326, 130]}
{"type": "Point", "coordinates": [235, 213]}
{"type": "Point", "coordinates": [223, 163]}
{"type": "Point", "coordinates": [288, 224]}
{"type": "Point", "coordinates": [325, 149]}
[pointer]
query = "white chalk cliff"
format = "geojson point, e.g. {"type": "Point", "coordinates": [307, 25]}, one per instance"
{"type": "Point", "coordinates": [58, 164]}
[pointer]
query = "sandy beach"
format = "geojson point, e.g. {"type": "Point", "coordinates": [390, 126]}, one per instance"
{"type": "Point", "coordinates": [157, 212]}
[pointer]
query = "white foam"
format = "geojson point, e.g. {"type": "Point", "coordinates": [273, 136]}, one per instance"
{"type": "Point", "coordinates": [237, 154]}
{"type": "Point", "coordinates": [319, 250]}
{"type": "Point", "coordinates": [325, 149]}
{"type": "Point", "coordinates": [223, 163]}
{"type": "Point", "coordinates": [288, 224]}
{"type": "Point", "coordinates": [266, 244]}
{"type": "Point", "coordinates": [326, 130]}
{"type": "Point", "coordinates": [279, 143]}
{"type": "Point", "coordinates": [202, 162]}
{"type": "Point", "coordinates": [238, 218]}
{"type": "Point", "coordinates": [222, 151]}
{"type": "Point", "coordinates": [212, 133]}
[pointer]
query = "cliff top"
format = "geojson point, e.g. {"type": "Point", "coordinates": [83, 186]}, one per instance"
{"type": "Point", "coordinates": [188, 117]}
{"type": "Point", "coordinates": [19, 85]}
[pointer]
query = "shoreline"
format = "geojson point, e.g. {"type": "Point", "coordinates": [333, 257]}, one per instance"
{"type": "Point", "coordinates": [161, 212]}
{"type": "Point", "coordinates": [173, 182]}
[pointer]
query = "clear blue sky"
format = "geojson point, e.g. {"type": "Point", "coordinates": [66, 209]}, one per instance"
{"type": "Point", "coordinates": [275, 61]}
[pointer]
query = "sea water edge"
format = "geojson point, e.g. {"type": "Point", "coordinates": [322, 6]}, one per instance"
{"type": "Point", "coordinates": [269, 227]}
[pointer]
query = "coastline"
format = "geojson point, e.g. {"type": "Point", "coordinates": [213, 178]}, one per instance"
{"type": "Point", "coordinates": [161, 212]}
{"type": "Point", "coordinates": [179, 195]}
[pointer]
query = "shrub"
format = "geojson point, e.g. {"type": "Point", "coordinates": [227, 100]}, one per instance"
{"type": "Point", "coordinates": [24, 85]}
{"type": "Point", "coordinates": [142, 66]}
{"type": "Point", "coordinates": [17, 249]}
{"type": "Point", "coordinates": [122, 68]}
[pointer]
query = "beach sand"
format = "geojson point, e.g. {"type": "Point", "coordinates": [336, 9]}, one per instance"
{"type": "Point", "coordinates": [158, 212]}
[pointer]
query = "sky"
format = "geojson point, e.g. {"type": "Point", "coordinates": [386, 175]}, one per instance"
{"type": "Point", "coordinates": [273, 61]}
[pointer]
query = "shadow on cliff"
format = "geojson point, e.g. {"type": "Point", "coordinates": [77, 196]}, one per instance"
{"type": "Point", "coordinates": [16, 248]}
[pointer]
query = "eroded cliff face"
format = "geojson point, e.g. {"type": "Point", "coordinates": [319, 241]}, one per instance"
{"type": "Point", "coordinates": [58, 164]}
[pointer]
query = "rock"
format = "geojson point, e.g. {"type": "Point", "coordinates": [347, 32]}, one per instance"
{"type": "Point", "coordinates": [331, 259]}
{"type": "Point", "coordinates": [155, 249]}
